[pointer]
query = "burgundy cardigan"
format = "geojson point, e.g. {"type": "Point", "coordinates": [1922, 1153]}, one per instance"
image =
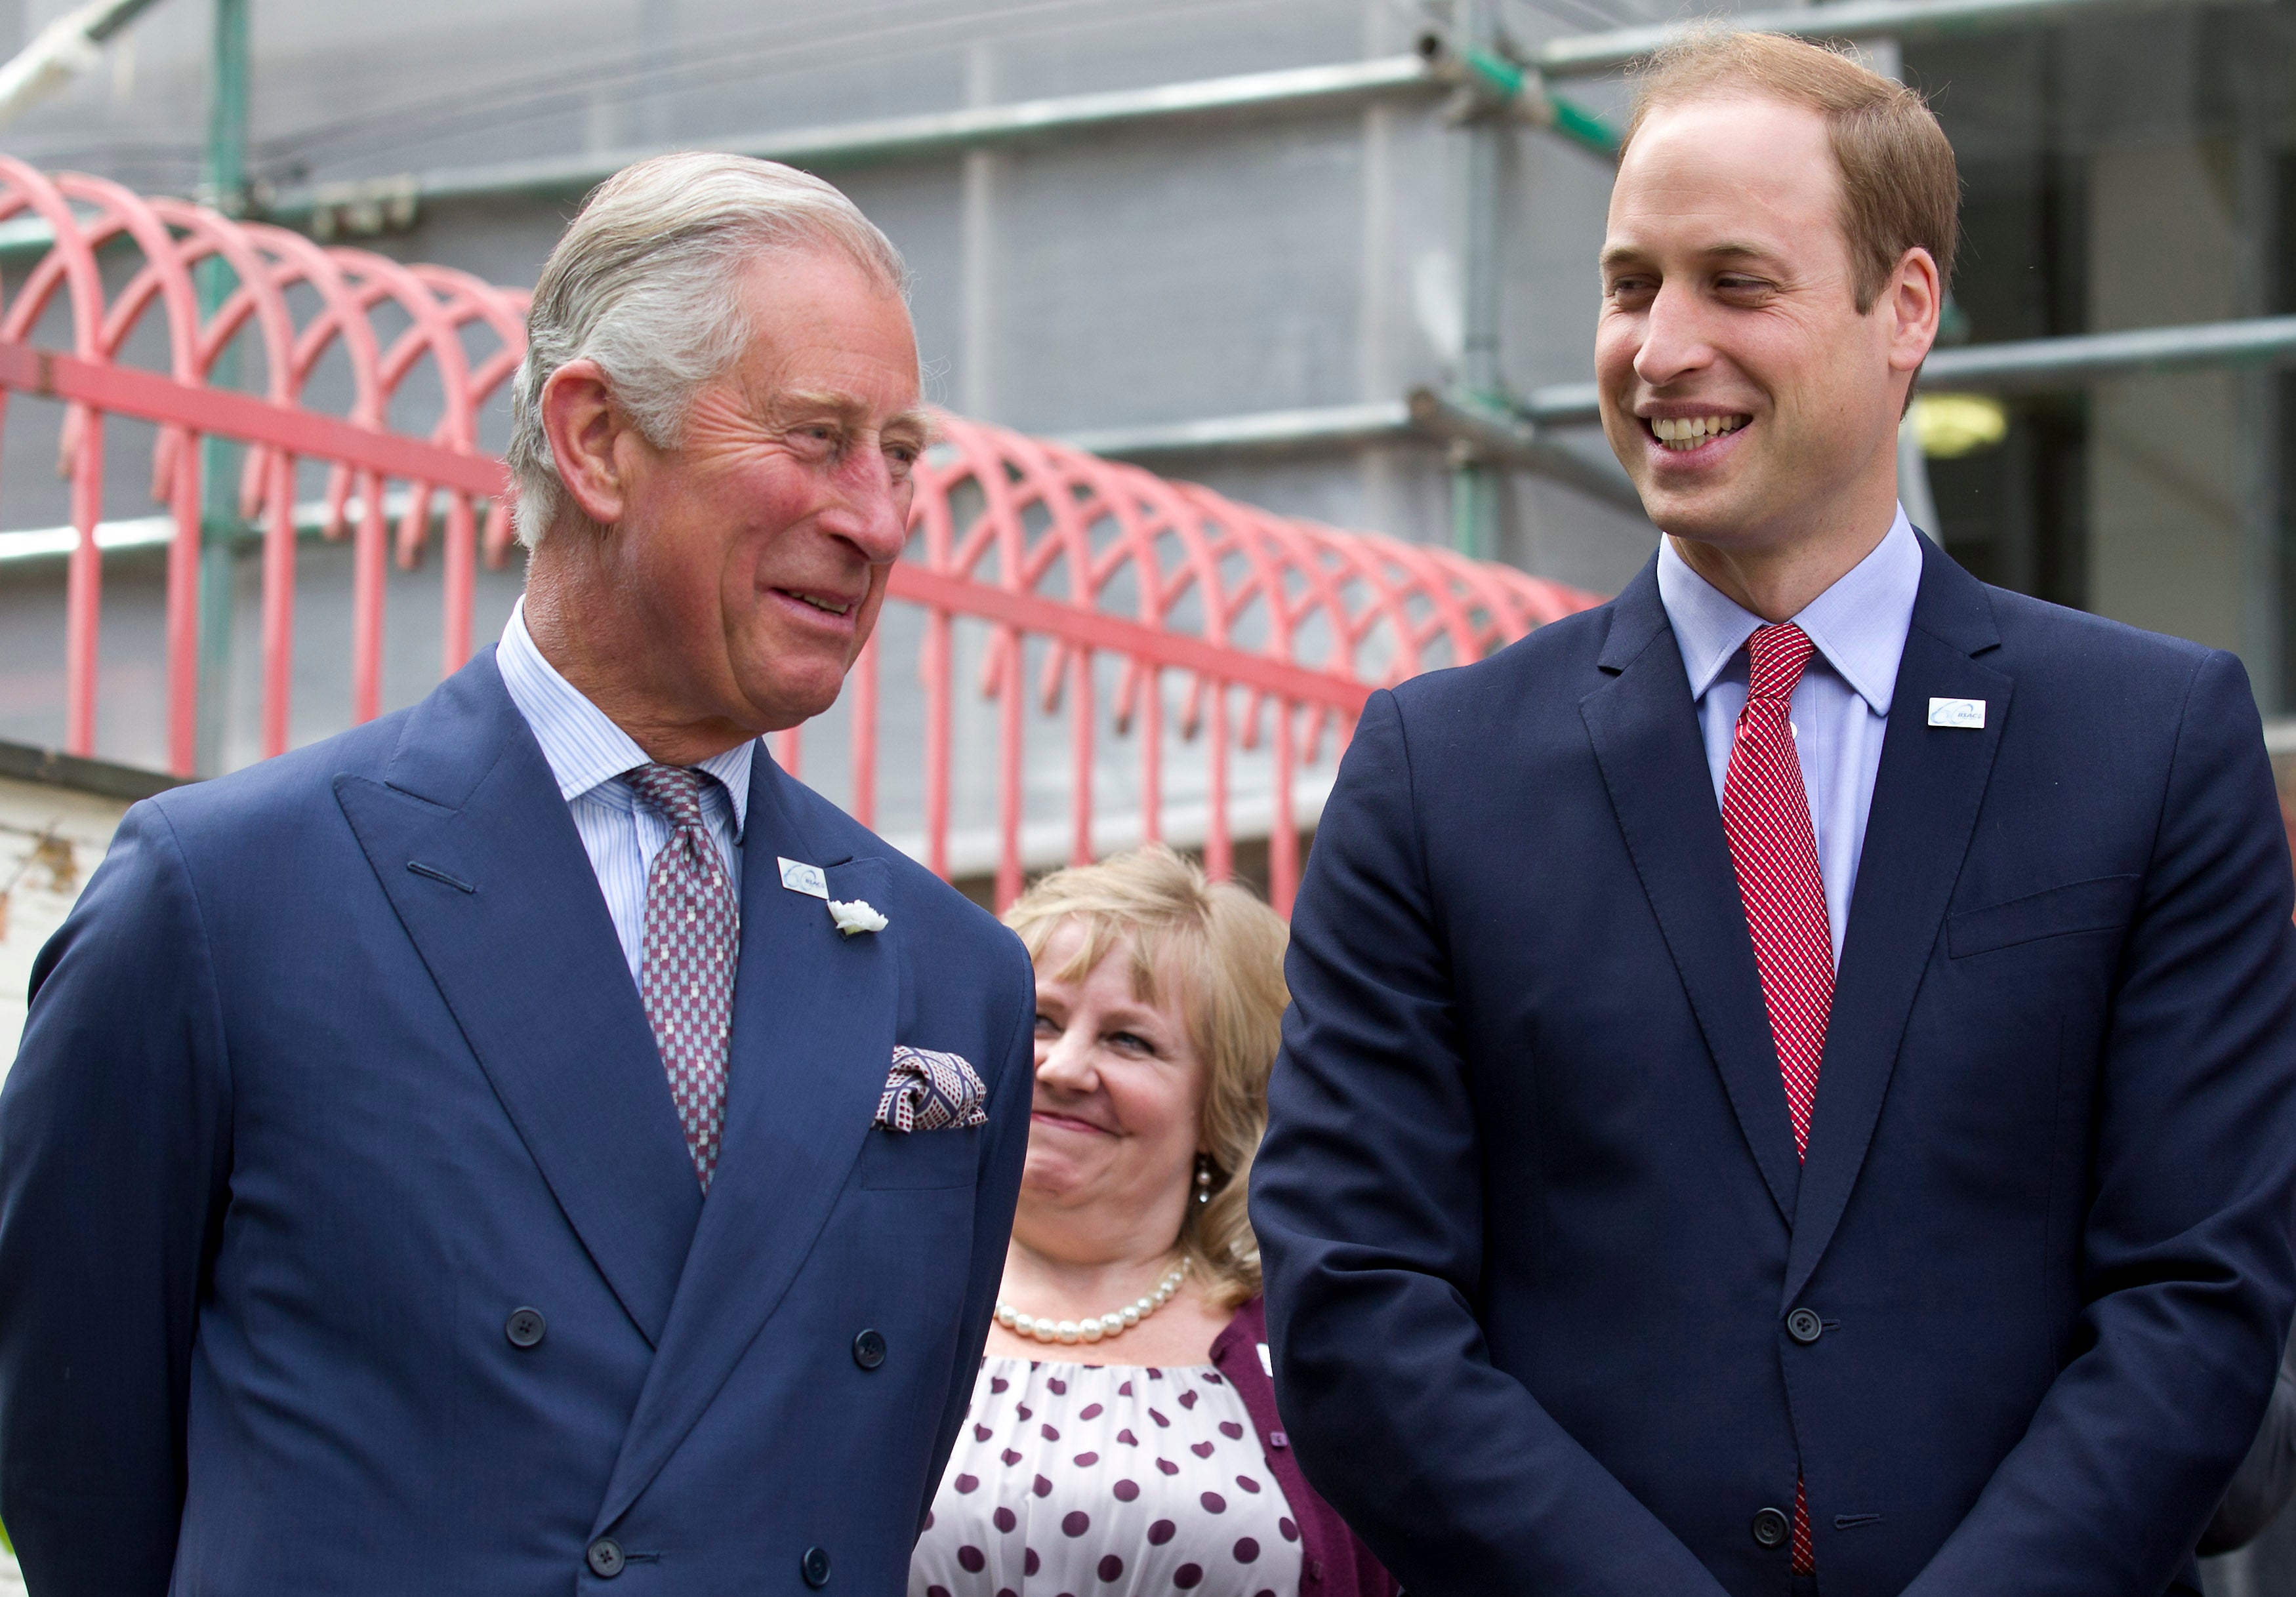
{"type": "Point", "coordinates": [1333, 1563]}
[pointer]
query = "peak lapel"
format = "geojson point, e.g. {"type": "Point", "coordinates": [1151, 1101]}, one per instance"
{"type": "Point", "coordinates": [505, 911]}
{"type": "Point", "coordinates": [1925, 801]}
{"type": "Point", "coordinates": [814, 1020]}
{"type": "Point", "coordinates": [1645, 735]}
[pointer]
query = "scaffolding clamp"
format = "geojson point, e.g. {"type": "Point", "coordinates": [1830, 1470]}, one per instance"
{"type": "Point", "coordinates": [366, 207]}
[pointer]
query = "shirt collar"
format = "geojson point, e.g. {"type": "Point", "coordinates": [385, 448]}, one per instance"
{"type": "Point", "coordinates": [1858, 625]}
{"type": "Point", "coordinates": [584, 749]}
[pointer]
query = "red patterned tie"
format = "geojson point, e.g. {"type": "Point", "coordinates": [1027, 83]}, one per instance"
{"type": "Point", "coordinates": [1766, 811]}
{"type": "Point", "coordinates": [692, 939]}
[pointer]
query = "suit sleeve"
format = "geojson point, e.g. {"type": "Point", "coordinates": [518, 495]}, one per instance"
{"type": "Point", "coordinates": [2188, 1273]}
{"type": "Point", "coordinates": [995, 1193]}
{"type": "Point", "coordinates": [2266, 1478]}
{"type": "Point", "coordinates": [114, 1152]}
{"type": "Point", "coordinates": [1367, 1199]}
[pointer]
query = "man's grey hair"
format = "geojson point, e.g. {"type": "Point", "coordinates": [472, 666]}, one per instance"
{"type": "Point", "coordinates": [646, 283]}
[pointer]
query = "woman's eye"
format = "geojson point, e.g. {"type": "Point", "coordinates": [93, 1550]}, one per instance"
{"type": "Point", "coordinates": [1131, 1041]}
{"type": "Point", "coordinates": [1047, 1026]}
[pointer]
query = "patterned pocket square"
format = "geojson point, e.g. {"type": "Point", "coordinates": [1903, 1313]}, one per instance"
{"type": "Point", "coordinates": [929, 1092]}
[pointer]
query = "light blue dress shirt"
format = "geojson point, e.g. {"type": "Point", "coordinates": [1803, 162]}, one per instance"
{"type": "Point", "coordinates": [587, 754]}
{"type": "Point", "coordinates": [1841, 707]}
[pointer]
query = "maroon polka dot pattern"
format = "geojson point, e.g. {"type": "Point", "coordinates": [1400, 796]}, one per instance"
{"type": "Point", "coordinates": [1047, 1495]}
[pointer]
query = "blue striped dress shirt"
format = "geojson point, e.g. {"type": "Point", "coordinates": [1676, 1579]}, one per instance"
{"type": "Point", "coordinates": [587, 754]}
{"type": "Point", "coordinates": [1840, 707]}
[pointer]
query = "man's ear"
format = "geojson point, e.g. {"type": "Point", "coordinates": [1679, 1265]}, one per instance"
{"type": "Point", "coordinates": [588, 437]}
{"type": "Point", "coordinates": [1911, 304]}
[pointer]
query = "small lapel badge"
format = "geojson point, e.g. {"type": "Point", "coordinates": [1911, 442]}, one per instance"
{"type": "Point", "coordinates": [1968, 714]}
{"type": "Point", "coordinates": [799, 877]}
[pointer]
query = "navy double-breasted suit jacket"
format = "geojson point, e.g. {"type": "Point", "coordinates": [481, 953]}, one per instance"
{"type": "Point", "coordinates": [338, 1063]}
{"type": "Point", "coordinates": [1534, 1230]}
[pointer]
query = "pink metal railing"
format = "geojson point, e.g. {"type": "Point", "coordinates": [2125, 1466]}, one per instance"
{"type": "Point", "coordinates": [1272, 629]}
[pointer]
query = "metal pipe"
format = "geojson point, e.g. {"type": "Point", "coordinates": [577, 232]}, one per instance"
{"type": "Point", "coordinates": [1271, 432]}
{"type": "Point", "coordinates": [1340, 87]}
{"type": "Point", "coordinates": [2030, 364]}
{"type": "Point", "coordinates": [60, 52]}
{"type": "Point", "coordinates": [1588, 54]}
{"type": "Point", "coordinates": [931, 132]}
{"type": "Point", "coordinates": [1475, 484]}
{"type": "Point", "coordinates": [221, 527]}
{"type": "Point", "coordinates": [2043, 365]}
{"type": "Point", "coordinates": [1490, 437]}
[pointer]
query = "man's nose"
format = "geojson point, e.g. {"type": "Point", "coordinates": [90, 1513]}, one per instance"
{"type": "Point", "coordinates": [1675, 338]}
{"type": "Point", "coordinates": [873, 510]}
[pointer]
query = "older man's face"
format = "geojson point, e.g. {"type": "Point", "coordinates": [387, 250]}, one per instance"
{"type": "Point", "coordinates": [1741, 388]}
{"type": "Point", "coordinates": [760, 546]}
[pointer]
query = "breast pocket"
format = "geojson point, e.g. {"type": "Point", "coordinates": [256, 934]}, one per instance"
{"type": "Point", "coordinates": [897, 1159]}
{"type": "Point", "coordinates": [2102, 903]}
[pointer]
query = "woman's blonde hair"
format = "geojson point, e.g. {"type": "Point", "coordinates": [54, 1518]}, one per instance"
{"type": "Point", "coordinates": [1222, 951]}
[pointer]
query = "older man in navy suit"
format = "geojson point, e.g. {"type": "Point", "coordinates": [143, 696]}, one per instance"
{"type": "Point", "coordinates": [1792, 1086]}
{"type": "Point", "coordinates": [530, 1143]}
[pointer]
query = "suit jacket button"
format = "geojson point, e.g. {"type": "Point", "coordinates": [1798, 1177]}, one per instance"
{"type": "Point", "coordinates": [524, 1327]}
{"type": "Point", "coordinates": [604, 1558]}
{"type": "Point", "coordinates": [1804, 1326]}
{"type": "Point", "coordinates": [815, 1566]}
{"type": "Point", "coordinates": [1772, 1527]}
{"type": "Point", "coordinates": [869, 1350]}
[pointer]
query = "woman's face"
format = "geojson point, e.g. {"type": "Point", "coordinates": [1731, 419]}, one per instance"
{"type": "Point", "coordinates": [1120, 1095]}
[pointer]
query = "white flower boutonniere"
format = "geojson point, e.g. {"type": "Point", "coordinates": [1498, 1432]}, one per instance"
{"type": "Point", "coordinates": [856, 917]}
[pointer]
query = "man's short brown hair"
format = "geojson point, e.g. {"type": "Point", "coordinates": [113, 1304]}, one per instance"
{"type": "Point", "coordinates": [1900, 189]}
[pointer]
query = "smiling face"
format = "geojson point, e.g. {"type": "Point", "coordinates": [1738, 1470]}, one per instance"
{"type": "Point", "coordinates": [1114, 1131]}
{"type": "Point", "coordinates": [1753, 403]}
{"type": "Point", "coordinates": [758, 548]}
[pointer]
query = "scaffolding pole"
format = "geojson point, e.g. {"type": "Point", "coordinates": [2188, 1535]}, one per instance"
{"type": "Point", "coordinates": [1474, 484]}
{"type": "Point", "coordinates": [220, 526]}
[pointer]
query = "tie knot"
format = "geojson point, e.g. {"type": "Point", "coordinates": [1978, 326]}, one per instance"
{"type": "Point", "coordinates": [675, 791]}
{"type": "Point", "coordinates": [1775, 656]}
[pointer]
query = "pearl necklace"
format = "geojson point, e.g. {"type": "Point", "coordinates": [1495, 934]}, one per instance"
{"type": "Point", "coordinates": [1092, 1329]}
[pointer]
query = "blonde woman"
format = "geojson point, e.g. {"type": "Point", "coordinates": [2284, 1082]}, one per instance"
{"type": "Point", "coordinates": [1123, 1435]}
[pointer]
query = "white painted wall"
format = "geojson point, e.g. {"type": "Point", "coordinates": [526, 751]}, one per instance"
{"type": "Point", "coordinates": [38, 885]}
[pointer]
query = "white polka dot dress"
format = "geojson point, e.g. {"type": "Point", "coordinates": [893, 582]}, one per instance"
{"type": "Point", "coordinates": [1086, 1480]}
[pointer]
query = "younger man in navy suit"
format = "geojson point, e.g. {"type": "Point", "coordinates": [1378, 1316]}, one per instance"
{"type": "Point", "coordinates": [1792, 1082]}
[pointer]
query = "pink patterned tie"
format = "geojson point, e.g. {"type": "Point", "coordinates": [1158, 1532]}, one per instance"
{"type": "Point", "coordinates": [693, 940]}
{"type": "Point", "coordinates": [1766, 812]}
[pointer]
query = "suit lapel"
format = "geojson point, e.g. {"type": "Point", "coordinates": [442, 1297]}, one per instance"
{"type": "Point", "coordinates": [1645, 729]}
{"type": "Point", "coordinates": [814, 1020]}
{"type": "Point", "coordinates": [1925, 801]}
{"type": "Point", "coordinates": [479, 855]}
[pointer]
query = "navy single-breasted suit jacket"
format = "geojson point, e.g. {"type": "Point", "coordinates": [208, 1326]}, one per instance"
{"type": "Point", "coordinates": [1533, 1226]}
{"type": "Point", "coordinates": [338, 1063]}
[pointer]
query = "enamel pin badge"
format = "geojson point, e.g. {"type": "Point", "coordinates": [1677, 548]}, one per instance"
{"type": "Point", "coordinates": [799, 877]}
{"type": "Point", "coordinates": [1969, 713]}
